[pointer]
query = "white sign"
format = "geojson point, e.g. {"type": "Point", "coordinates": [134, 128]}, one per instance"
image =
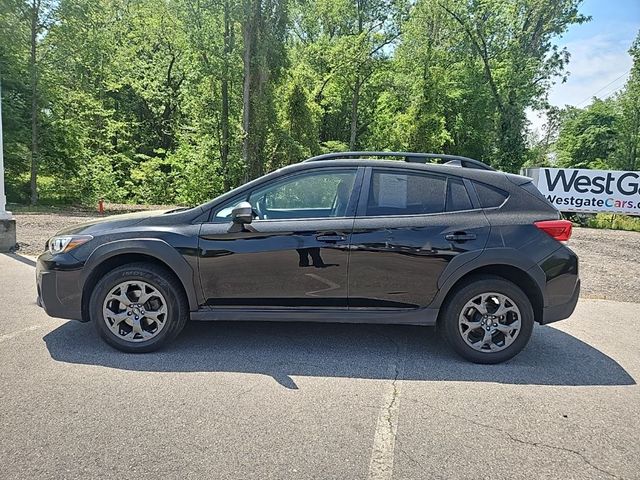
{"type": "Point", "coordinates": [589, 191]}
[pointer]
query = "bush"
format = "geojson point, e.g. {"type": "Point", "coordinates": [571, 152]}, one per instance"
{"type": "Point", "coordinates": [615, 222]}
{"type": "Point", "coordinates": [197, 177]}
{"type": "Point", "coordinates": [154, 181]}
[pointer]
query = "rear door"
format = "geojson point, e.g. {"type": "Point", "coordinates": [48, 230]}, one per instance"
{"type": "Point", "coordinates": [409, 225]}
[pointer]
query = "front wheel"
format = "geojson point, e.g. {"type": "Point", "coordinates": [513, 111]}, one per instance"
{"type": "Point", "coordinates": [488, 320]}
{"type": "Point", "coordinates": [138, 307]}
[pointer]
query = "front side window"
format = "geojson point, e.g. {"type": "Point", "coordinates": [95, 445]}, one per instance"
{"type": "Point", "coordinates": [393, 193]}
{"type": "Point", "coordinates": [222, 214]}
{"type": "Point", "coordinates": [318, 194]}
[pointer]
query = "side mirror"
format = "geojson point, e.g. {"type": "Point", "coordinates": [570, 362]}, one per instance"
{"type": "Point", "coordinates": [242, 213]}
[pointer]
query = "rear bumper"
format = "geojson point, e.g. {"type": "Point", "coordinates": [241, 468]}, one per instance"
{"type": "Point", "coordinates": [562, 285]}
{"type": "Point", "coordinates": [562, 311]}
{"type": "Point", "coordinates": [59, 291]}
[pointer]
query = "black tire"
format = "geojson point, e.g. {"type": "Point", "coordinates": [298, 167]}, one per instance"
{"type": "Point", "coordinates": [474, 287]}
{"type": "Point", "coordinates": [159, 278]}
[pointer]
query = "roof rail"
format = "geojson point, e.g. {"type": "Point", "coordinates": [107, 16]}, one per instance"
{"type": "Point", "coordinates": [414, 157]}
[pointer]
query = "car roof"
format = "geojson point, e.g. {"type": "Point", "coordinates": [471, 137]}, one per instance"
{"type": "Point", "coordinates": [488, 176]}
{"type": "Point", "coordinates": [496, 178]}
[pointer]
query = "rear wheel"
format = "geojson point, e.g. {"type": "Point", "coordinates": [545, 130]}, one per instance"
{"type": "Point", "coordinates": [138, 307]}
{"type": "Point", "coordinates": [488, 320]}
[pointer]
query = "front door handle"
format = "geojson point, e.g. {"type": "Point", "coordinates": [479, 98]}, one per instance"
{"type": "Point", "coordinates": [330, 238]}
{"type": "Point", "coordinates": [460, 236]}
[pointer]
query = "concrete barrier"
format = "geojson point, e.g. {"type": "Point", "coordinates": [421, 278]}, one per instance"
{"type": "Point", "coordinates": [7, 235]}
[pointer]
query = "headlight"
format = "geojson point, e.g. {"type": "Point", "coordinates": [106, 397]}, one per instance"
{"type": "Point", "coordinates": [65, 243]}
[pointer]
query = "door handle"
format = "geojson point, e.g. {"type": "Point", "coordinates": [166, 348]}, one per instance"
{"type": "Point", "coordinates": [460, 236]}
{"type": "Point", "coordinates": [330, 238]}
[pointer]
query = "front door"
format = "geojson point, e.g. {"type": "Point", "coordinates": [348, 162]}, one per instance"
{"type": "Point", "coordinates": [295, 252]}
{"type": "Point", "coordinates": [409, 226]}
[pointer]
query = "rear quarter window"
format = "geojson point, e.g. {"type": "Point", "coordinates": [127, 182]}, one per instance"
{"type": "Point", "coordinates": [533, 190]}
{"type": "Point", "coordinates": [489, 196]}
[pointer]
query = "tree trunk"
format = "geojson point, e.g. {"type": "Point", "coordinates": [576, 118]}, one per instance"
{"type": "Point", "coordinates": [355, 100]}
{"type": "Point", "coordinates": [35, 11]}
{"type": "Point", "coordinates": [246, 88]}
{"type": "Point", "coordinates": [224, 151]}
{"type": "Point", "coordinates": [255, 77]}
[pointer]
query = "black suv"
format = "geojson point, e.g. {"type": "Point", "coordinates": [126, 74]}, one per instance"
{"type": "Point", "coordinates": [338, 238]}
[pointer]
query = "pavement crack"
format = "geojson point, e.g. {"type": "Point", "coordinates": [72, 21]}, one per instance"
{"type": "Point", "coordinates": [394, 396]}
{"type": "Point", "coordinates": [516, 439]}
{"type": "Point", "coordinates": [384, 438]}
{"type": "Point", "coordinates": [410, 457]}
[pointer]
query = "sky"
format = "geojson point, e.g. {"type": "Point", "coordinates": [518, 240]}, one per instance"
{"type": "Point", "coordinates": [600, 62]}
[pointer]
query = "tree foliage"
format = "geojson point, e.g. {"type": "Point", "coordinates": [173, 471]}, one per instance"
{"type": "Point", "coordinates": [605, 134]}
{"type": "Point", "coordinates": [176, 101]}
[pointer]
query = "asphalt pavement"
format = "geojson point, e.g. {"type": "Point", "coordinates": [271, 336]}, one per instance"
{"type": "Point", "coordinates": [294, 400]}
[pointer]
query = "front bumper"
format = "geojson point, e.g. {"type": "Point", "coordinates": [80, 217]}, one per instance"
{"type": "Point", "coordinates": [59, 286]}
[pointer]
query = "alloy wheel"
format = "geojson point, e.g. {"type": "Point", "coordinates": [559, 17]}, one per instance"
{"type": "Point", "coordinates": [490, 322]}
{"type": "Point", "coordinates": [135, 311]}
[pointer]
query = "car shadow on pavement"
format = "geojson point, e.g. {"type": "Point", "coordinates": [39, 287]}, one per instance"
{"type": "Point", "coordinates": [21, 258]}
{"type": "Point", "coordinates": [286, 350]}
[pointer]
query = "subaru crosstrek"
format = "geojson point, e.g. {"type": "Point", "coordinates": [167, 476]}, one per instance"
{"type": "Point", "coordinates": [346, 237]}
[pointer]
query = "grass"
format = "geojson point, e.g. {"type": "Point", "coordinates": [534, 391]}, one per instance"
{"type": "Point", "coordinates": [613, 221]}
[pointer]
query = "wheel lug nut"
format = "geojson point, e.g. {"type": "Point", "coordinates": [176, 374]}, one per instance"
{"type": "Point", "coordinates": [128, 313]}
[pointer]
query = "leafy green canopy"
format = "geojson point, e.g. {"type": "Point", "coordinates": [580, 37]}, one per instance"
{"type": "Point", "coordinates": [176, 101]}
{"type": "Point", "coordinates": [605, 134]}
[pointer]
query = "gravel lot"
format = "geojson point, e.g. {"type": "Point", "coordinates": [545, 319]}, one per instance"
{"type": "Point", "coordinates": [609, 263]}
{"type": "Point", "coordinates": [609, 260]}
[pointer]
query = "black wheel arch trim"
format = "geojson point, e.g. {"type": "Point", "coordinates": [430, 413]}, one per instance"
{"type": "Point", "coordinates": [466, 263]}
{"type": "Point", "coordinates": [152, 247]}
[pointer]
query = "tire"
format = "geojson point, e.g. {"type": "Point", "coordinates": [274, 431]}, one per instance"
{"type": "Point", "coordinates": [470, 316]}
{"type": "Point", "coordinates": [141, 326]}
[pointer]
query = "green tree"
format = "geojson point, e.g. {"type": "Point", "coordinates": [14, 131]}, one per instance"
{"type": "Point", "coordinates": [264, 27]}
{"type": "Point", "coordinates": [628, 142]}
{"type": "Point", "coordinates": [587, 137]}
{"type": "Point", "coordinates": [512, 40]}
{"type": "Point", "coordinates": [177, 101]}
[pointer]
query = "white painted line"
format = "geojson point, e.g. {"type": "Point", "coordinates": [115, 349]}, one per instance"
{"type": "Point", "coordinates": [384, 438]}
{"type": "Point", "coordinates": [11, 335]}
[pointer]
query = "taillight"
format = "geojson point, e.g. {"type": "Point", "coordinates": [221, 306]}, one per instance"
{"type": "Point", "coordinates": [558, 229]}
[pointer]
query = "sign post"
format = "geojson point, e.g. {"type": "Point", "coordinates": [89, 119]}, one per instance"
{"type": "Point", "coordinates": [7, 223]}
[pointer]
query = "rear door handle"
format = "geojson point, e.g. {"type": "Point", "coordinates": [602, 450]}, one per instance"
{"type": "Point", "coordinates": [460, 236]}
{"type": "Point", "coordinates": [330, 238]}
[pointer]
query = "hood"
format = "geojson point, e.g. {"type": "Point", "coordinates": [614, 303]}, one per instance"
{"type": "Point", "coordinates": [110, 223]}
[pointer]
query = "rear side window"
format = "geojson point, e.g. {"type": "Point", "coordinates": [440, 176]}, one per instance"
{"type": "Point", "coordinates": [457, 196]}
{"type": "Point", "coordinates": [393, 193]}
{"type": "Point", "coordinates": [490, 196]}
